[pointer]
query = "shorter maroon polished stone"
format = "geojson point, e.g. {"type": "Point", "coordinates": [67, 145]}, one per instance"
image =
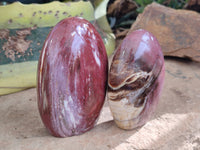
{"type": "Point", "coordinates": [135, 79]}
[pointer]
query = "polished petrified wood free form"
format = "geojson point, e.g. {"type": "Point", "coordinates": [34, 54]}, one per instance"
{"type": "Point", "coordinates": [135, 79]}
{"type": "Point", "coordinates": [72, 78]}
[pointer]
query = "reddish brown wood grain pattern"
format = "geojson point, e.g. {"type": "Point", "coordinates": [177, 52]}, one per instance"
{"type": "Point", "coordinates": [135, 79]}
{"type": "Point", "coordinates": [72, 78]}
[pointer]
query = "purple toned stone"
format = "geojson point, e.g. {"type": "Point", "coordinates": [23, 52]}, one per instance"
{"type": "Point", "coordinates": [72, 78]}
{"type": "Point", "coordinates": [135, 79]}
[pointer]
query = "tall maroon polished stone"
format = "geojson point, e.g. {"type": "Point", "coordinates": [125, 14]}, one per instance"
{"type": "Point", "coordinates": [72, 78]}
